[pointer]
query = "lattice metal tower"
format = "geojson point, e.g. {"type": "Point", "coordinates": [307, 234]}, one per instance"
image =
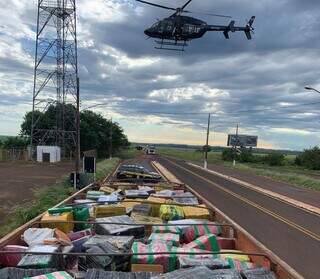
{"type": "Point", "coordinates": [55, 75]}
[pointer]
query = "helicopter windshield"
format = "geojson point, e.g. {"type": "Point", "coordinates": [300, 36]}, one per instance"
{"type": "Point", "coordinates": [155, 25]}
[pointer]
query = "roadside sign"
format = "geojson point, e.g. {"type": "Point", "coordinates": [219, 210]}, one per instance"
{"type": "Point", "coordinates": [89, 164]}
{"type": "Point", "coordinates": [242, 140]}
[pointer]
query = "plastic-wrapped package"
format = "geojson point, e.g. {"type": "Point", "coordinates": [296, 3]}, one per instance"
{"type": "Point", "coordinates": [19, 273]}
{"type": "Point", "coordinates": [11, 260]}
{"type": "Point", "coordinates": [239, 257]}
{"type": "Point", "coordinates": [212, 263]}
{"type": "Point", "coordinates": [54, 275]}
{"type": "Point", "coordinates": [100, 262]}
{"type": "Point", "coordinates": [81, 214]}
{"type": "Point", "coordinates": [172, 238]}
{"type": "Point", "coordinates": [171, 212]}
{"type": "Point", "coordinates": [259, 273]}
{"type": "Point", "coordinates": [77, 235]}
{"type": "Point", "coordinates": [148, 189]}
{"type": "Point", "coordinates": [169, 262]}
{"type": "Point", "coordinates": [189, 273]}
{"type": "Point", "coordinates": [94, 195]}
{"type": "Point", "coordinates": [164, 194]}
{"type": "Point", "coordinates": [36, 236]}
{"type": "Point", "coordinates": [78, 243]}
{"type": "Point", "coordinates": [132, 194]}
{"type": "Point", "coordinates": [41, 261]}
{"type": "Point", "coordinates": [142, 219]}
{"type": "Point", "coordinates": [191, 212]}
{"type": "Point", "coordinates": [106, 229]}
{"type": "Point", "coordinates": [226, 274]}
{"type": "Point", "coordinates": [156, 203]}
{"type": "Point", "coordinates": [193, 232]}
{"type": "Point", "coordinates": [239, 265]}
{"type": "Point", "coordinates": [122, 243]}
{"type": "Point", "coordinates": [142, 209]}
{"type": "Point", "coordinates": [167, 229]}
{"type": "Point", "coordinates": [109, 199]}
{"type": "Point", "coordinates": [206, 242]}
{"type": "Point", "coordinates": [186, 200]}
{"type": "Point", "coordinates": [101, 274]}
{"type": "Point", "coordinates": [102, 211]}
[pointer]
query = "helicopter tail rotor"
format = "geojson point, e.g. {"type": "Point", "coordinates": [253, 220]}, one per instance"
{"type": "Point", "coordinates": [249, 28]}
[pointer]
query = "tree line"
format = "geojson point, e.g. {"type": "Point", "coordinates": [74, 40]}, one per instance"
{"type": "Point", "coordinates": [309, 158]}
{"type": "Point", "coordinates": [96, 132]}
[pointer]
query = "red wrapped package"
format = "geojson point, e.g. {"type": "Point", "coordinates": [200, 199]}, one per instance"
{"type": "Point", "coordinates": [206, 242]}
{"type": "Point", "coordinates": [193, 232]}
{"type": "Point", "coordinates": [12, 260]}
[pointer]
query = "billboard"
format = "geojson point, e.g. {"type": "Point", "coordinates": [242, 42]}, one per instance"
{"type": "Point", "coordinates": [242, 140]}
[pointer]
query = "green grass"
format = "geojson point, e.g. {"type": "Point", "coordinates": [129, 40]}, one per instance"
{"type": "Point", "coordinates": [47, 197]}
{"type": "Point", "coordinates": [288, 173]}
{"type": "Point", "coordinates": [129, 153]}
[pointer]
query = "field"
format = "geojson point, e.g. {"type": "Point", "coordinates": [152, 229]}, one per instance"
{"type": "Point", "coordinates": [28, 194]}
{"type": "Point", "coordinates": [20, 181]}
{"type": "Point", "coordinates": [288, 173]}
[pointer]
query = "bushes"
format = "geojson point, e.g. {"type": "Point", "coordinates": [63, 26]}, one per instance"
{"type": "Point", "coordinates": [274, 159]}
{"type": "Point", "coordinates": [246, 156]}
{"type": "Point", "coordinates": [310, 158]}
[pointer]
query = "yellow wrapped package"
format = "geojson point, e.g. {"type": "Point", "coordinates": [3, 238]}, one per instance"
{"type": "Point", "coordinates": [106, 189]}
{"type": "Point", "coordinates": [142, 219]}
{"type": "Point", "coordinates": [191, 212]}
{"type": "Point", "coordinates": [156, 203]}
{"type": "Point", "coordinates": [102, 211]}
{"type": "Point", "coordinates": [52, 221]}
{"type": "Point", "coordinates": [129, 204]}
{"type": "Point", "coordinates": [171, 212]}
{"type": "Point", "coordinates": [241, 258]}
{"type": "Point", "coordinates": [162, 187]}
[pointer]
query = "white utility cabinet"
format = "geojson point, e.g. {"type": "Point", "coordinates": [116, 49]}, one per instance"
{"type": "Point", "coordinates": [48, 154]}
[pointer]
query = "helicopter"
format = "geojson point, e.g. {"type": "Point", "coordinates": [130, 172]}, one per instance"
{"type": "Point", "coordinates": [174, 32]}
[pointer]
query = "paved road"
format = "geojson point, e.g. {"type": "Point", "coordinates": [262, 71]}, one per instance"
{"type": "Point", "coordinates": [308, 196]}
{"type": "Point", "coordinates": [291, 233]}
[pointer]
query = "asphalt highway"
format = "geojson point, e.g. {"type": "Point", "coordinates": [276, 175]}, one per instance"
{"type": "Point", "coordinates": [290, 232]}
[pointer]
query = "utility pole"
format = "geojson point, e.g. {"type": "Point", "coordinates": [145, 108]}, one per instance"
{"type": "Point", "coordinates": [77, 153]}
{"type": "Point", "coordinates": [207, 143]}
{"type": "Point", "coordinates": [235, 148]}
{"type": "Point", "coordinates": [110, 140]}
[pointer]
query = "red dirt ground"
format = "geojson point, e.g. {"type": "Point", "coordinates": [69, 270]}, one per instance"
{"type": "Point", "coordinates": [18, 180]}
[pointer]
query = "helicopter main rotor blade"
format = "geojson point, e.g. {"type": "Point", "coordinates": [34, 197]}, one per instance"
{"type": "Point", "coordinates": [157, 5]}
{"type": "Point", "coordinates": [186, 4]}
{"type": "Point", "coordinates": [209, 14]}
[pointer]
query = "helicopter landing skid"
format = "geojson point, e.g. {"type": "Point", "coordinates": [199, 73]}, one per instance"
{"type": "Point", "coordinates": [171, 45]}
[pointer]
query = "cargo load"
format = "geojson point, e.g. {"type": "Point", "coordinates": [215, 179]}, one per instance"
{"type": "Point", "coordinates": [52, 221]}
{"type": "Point", "coordinates": [171, 212]}
{"type": "Point", "coordinates": [102, 211]}
{"type": "Point", "coordinates": [191, 212]}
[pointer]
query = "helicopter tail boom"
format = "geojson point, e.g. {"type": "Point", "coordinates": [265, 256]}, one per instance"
{"type": "Point", "coordinates": [232, 28]}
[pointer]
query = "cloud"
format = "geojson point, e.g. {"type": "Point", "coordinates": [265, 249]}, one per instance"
{"type": "Point", "coordinates": [257, 83]}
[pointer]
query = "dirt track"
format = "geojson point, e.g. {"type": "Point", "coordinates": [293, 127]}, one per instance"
{"type": "Point", "coordinates": [18, 180]}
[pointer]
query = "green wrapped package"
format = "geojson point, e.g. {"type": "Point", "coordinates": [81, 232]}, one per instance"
{"type": "Point", "coordinates": [60, 210]}
{"type": "Point", "coordinates": [54, 275]}
{"type": "Point", "coordinates": [81, 214]}
{"type": "Point", "coordinates": [171, 212]}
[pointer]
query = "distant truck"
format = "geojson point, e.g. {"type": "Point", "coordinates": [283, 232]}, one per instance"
{"type": "Point", "coordinates": [151, 150]}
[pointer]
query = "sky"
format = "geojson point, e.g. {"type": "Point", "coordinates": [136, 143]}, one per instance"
{"type": "Point", "coordinates": [258, 84]}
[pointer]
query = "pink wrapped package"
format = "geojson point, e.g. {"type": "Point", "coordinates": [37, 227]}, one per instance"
{"type": "Point", "coordinates": [206, 242]}
{"type": "Point", "coordinates": [12, 260]}
{"type": "Point", "coordinates": [169, 262]}
{"type": "Point", "coordinates": [172, 238]}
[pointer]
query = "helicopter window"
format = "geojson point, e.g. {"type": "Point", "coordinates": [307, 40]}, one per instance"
{"type": "Point", "coordinates": [188, 28]}
{"type": "Point", "coordinates": [169, 27]}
